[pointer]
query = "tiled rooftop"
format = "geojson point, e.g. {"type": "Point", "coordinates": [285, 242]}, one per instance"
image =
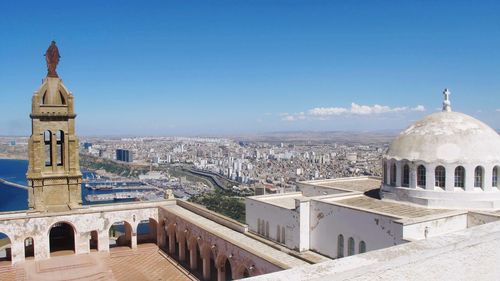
{"type": "Point", "coordinates": [399, 210]}
{"type": "Point", "coordinates": [361, 184]}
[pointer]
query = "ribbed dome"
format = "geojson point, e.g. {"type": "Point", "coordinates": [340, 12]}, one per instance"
{"type": "Point", "coordinates": [447, 137]}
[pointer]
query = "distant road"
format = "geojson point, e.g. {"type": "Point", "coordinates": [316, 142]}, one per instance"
{"type": "Point", "coordinates": [13, 184]}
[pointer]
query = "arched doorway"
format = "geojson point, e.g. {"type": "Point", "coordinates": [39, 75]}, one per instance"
{"type": "Point", "coordinates": [62, 238]}
{"type": "Point", "coordinates": [5, 249]}
{"type": "Point", "coordinates": [94, 240]}
{"type": "Point", "coordinates": [120, 235]}
{"type": "Point", "coordinates": [29, 248]}
{"type": "Point", "coordinates": [147, 232]}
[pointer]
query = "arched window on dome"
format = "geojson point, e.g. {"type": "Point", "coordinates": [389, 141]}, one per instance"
{"type": "Point", "coordinates": [478, 176]}
{"type": "Point", "coordinates": [494, 177]}
{"type": "Point", "coordinates": [340, 246]}
{"type": "Point", "coordinates": [460, 177]}
{"type": "Point", "coordinates": [393, 174]}
{"type": "Point", "coordinates": [405, 180]}
{"type": "Point", "coordinates": [350, 246]}
{"type": "Point", "coordinates": [440, 176]}
{"type": "Point", "coordinates": [362, 247]}
{"type": "Point", "coordinates": [421, 177]}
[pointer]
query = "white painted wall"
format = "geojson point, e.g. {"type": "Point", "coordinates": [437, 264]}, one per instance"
{"type": "Point", "coordinates": [276, 216]}
{"type": "Point", "coordinates": [435, 227]}
{"type": "Point", "coordinates": [328, 221]}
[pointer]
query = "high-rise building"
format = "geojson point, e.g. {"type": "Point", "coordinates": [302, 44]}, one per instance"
{"type": "Point", "coordinates": [124, 155]}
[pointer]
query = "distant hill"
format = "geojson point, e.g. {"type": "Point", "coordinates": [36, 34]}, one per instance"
{"type": "Point", "coordinates": [340, 137]}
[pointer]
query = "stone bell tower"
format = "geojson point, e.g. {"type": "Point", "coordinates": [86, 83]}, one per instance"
{"type": "Point", "coordinates": [54, 177]}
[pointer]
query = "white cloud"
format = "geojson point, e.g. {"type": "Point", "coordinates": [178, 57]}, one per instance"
{"type": "Point", "coordinates": [419, 108]}
{"type": "Point", "coordinates": [323, 113]}
{"type": "Point", "coordinates": [326, 111]}
{"type": "Point", "coordinates": [498, 109]}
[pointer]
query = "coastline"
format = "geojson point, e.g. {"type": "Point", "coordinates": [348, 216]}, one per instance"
{"type": "Point", "coordinates": [4, 156]}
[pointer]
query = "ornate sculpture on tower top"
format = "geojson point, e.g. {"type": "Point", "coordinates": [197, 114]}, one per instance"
{"type": "Point", "coordinates": [52, 58]}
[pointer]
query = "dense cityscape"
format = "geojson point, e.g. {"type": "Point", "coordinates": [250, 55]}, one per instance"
{"type": "Point", "coordinates": [183, 164]}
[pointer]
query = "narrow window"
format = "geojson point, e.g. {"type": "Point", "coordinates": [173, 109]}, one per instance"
{"type": "Point", "coordinates": [460, 176]}
{"type": "Point", "coordinates": [340, 246]}
{"type": "Point", "coordinates": [63, 100]}
{"type": "Point", "coordinates": [283, 234]}
{"type": "Point", "coordinates": [278, 233]}
{"type": "Point", "coordinates": [440, 175]}
{"type": "Point", "coordinates": [494, 177]}
{"type": "Point", "coordinates": [60, 147]}
{"type": "Point", "coordinates": [406, 176]}
{"type": "Point", "coordinates": [393, 174]}
{"type": "Point", "coordinates": [350, 247]}
{"type": "Point", "coordinates": [478, 177]}
{"type": "Point", "coordinates": [267, 229]}
{"type": "Point", "coordinates": [421, 179]}
{"type": "Point", "coordinates": [47, 140]}
{"type": "Point", "coordinates": [362, 247]}
{"type": "Point", "coordinates": [259, 231]}
{"type": "Point", "coordinates": [384, 169]}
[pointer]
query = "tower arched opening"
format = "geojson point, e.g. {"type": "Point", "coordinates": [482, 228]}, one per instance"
{"type": "Point", "coordinates": [5, 249]}
{"type": "Point", "coordinates": [62, 238]}
{"type": "Point", "coordinates": [147, 232]}
{"type": "Point", "coordinates": [94, 240]}
{"type": "Point", "coordinates": [29, 248]}
{"type": "Point", "coordinates": [120, 235]}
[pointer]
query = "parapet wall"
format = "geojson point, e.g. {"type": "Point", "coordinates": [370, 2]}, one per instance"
{"type": "Point", "coordinates": [470, 254]}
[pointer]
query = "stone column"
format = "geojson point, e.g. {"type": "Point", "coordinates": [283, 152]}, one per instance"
{"type": "Point", "coordinates": [221, 276]}
{"type": "Point", "coordinates": [182, 249]}
{"type": "Point", "coordinates": [82, 243]}
{"type": "Point", "coordinates": [103, 241]}
{"type": "Point", "coordinates": [469, 177]}
{"type": "Point", "coordinates": [450, 178]}
{"type": "Point", "coordinates": [206, 268]}
{"type": "Point", "coordinates": [171, 244]}
{"type": "Point", "coordinates": [413, 175]}
{"type": "Point", "coordinates": [430, 177]}
{"type": "Point", "coordinates": [193, 259]}
{"type": "Point", "coordinates": [388, 170]}
{"type": "Point", "coordinates": [42, 247]}
{"type": "Point", "coordinates": [399, 172]}
{"type": "Point", "coordinates": [17, 250]}
{"type": "Point", "coordinates": [133, 241]}
{"type": "Point", "coordinates": [487, 180]}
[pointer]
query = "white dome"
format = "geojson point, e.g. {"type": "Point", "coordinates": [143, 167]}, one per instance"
{"type": "Point", "coordinates": [447, 137]}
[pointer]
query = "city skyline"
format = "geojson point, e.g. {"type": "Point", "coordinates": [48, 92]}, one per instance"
{"type": "Point", "coordinates": [234, 67]}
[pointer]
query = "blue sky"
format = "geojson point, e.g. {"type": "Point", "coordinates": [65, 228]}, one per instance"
{"type": "Point", "coordinates": [241, 67]}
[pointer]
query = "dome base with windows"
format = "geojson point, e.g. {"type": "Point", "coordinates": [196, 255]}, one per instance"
{"type": "Point", "coordinates": [445, 160]}
{"type": "Point", "coordinates": [440, 199]}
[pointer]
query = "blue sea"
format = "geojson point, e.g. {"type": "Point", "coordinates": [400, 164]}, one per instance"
{"type": "Point", "coordinates": [15, 199]}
